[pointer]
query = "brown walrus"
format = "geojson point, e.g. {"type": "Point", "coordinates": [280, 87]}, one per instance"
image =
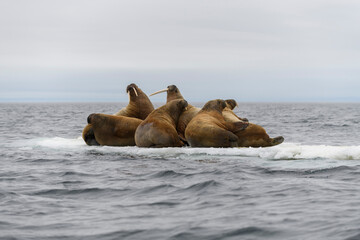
{"type": "Point", "coordinates": [159, 128]}
{"type": "Point", "coordinates": [113, 130]}
{"type": "Point", "coordinates": [254, 135]}
{"type": "Point", "coordinates": [139, 106]}
{"type": "Point", "coordinates": [209, 128]}
{"type": "Point", "coordinates": [174, 93]}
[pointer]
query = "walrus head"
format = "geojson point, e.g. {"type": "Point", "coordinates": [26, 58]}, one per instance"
{"type": "Point", "coordinates": [89, 118]}
{"type": "Point", "coordinates": [176, 108]}
{"type": "Point", "coordinates": [214, 105]}
{"type": "Point", "coordinates": [172, 93]}
{"type": "Point", "coordinates": [94, 118]}
{"type": "Point", "coordinates": [132, 90]}
{"type": "Point", "coordinates": [139, 105]}
{"type": "Point", "coordinates": [231, 103]}
{"type": "Point", "coordinates": [182, 104]}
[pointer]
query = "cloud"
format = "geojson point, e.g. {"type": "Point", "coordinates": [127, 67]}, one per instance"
{"type": "Point", "coordinates": [74, 45]}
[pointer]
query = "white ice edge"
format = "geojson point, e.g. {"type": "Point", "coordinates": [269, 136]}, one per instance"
{"type": "Point", "coordinates": [284, 151]}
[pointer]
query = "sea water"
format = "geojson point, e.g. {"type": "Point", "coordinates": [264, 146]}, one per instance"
{"type": "Point", "coordinates": [54, 186]}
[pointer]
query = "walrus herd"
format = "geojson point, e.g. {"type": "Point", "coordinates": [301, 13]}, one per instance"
{"type": "Point", "coordinates": [175, 124]}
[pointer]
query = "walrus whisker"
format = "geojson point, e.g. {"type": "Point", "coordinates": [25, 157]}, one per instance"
{"type": "Point", "coordinates": [160, 91]}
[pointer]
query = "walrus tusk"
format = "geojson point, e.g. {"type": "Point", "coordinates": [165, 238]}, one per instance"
{"type": "Point", "coordinates": [135, 91]}
{"type": "Point", "coordinates": [129, 95]}
{"type": "Point", "coordinates": [160, 91]}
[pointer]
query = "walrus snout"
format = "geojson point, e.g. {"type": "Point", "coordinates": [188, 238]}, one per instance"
{"type": "Point", "coordinates": [231, 103]}
{"type": "Point", "coordinates": [172, 88]}
{"type": "Point", "coordinates": [133, 87]}
{"type": "Point", "coordinates": [183, 104]}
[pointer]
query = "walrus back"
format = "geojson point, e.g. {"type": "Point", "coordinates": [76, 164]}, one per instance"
{"type": "Point", "coordinates": [204, 131]}
{"type": "Point", "coordinates": [156, 134]}
{"type": "Point", "coordinates": [113, 130]}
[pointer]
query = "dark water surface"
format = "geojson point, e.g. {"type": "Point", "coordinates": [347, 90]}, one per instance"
{"type": "Point", "coordinates": [53, 186]}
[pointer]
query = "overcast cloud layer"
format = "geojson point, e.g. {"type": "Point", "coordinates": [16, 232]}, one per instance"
{"type": "Point", "coordinates": [89, 50]}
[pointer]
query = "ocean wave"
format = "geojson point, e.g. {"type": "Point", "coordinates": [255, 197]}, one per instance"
{"type": "Point", "coordinates": [93, 192]}
{"type": "Point", "coordinates": [167, 174]}
{"type": "Point", "coordinates": [203, 185]}
{"type": "Point", "coordinates": [157, 189]}
{"type": "Point", "coordinates": [325, 171]}
{"type": "Point", "coordinates": [285, 151]}
{"type": "Point", "coordinates": [200, 233]}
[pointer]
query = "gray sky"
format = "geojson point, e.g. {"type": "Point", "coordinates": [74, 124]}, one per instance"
{"type": "Point", "coordinates": [253, 51]}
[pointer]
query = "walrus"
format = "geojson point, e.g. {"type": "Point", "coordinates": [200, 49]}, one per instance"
{"type": "Point", "coordinates": [174, 93]}
{"type": "Point", "coordinates": [159, 128]}
{"type": "Point", "coordinates": [139, 106]}
{"type": "Point", "coordinates": [209, 128]}
{"type": "Point", "coordinates": [252, 136]}
{"type": "Point", "coordinates": [113, 130]}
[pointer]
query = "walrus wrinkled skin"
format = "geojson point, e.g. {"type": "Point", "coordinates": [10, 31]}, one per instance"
{"type": "Point", "coordinates": [159, 128]}
{"type": "Point", "coordinates": [173, 93]}
{"type": "Point", "coordinates": [113, 130]}
{"type": "Point", "coordinates": [139, 106]}
{"type": "Point", "coordinates": [209, 128]}
{"type": "Point", "coordinates": [254, 135]}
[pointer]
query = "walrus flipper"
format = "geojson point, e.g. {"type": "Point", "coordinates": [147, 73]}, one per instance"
{"type": "Point", "coordinates": [277, 140]}
{"type": "Point", "coordinates": [239, 126]}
